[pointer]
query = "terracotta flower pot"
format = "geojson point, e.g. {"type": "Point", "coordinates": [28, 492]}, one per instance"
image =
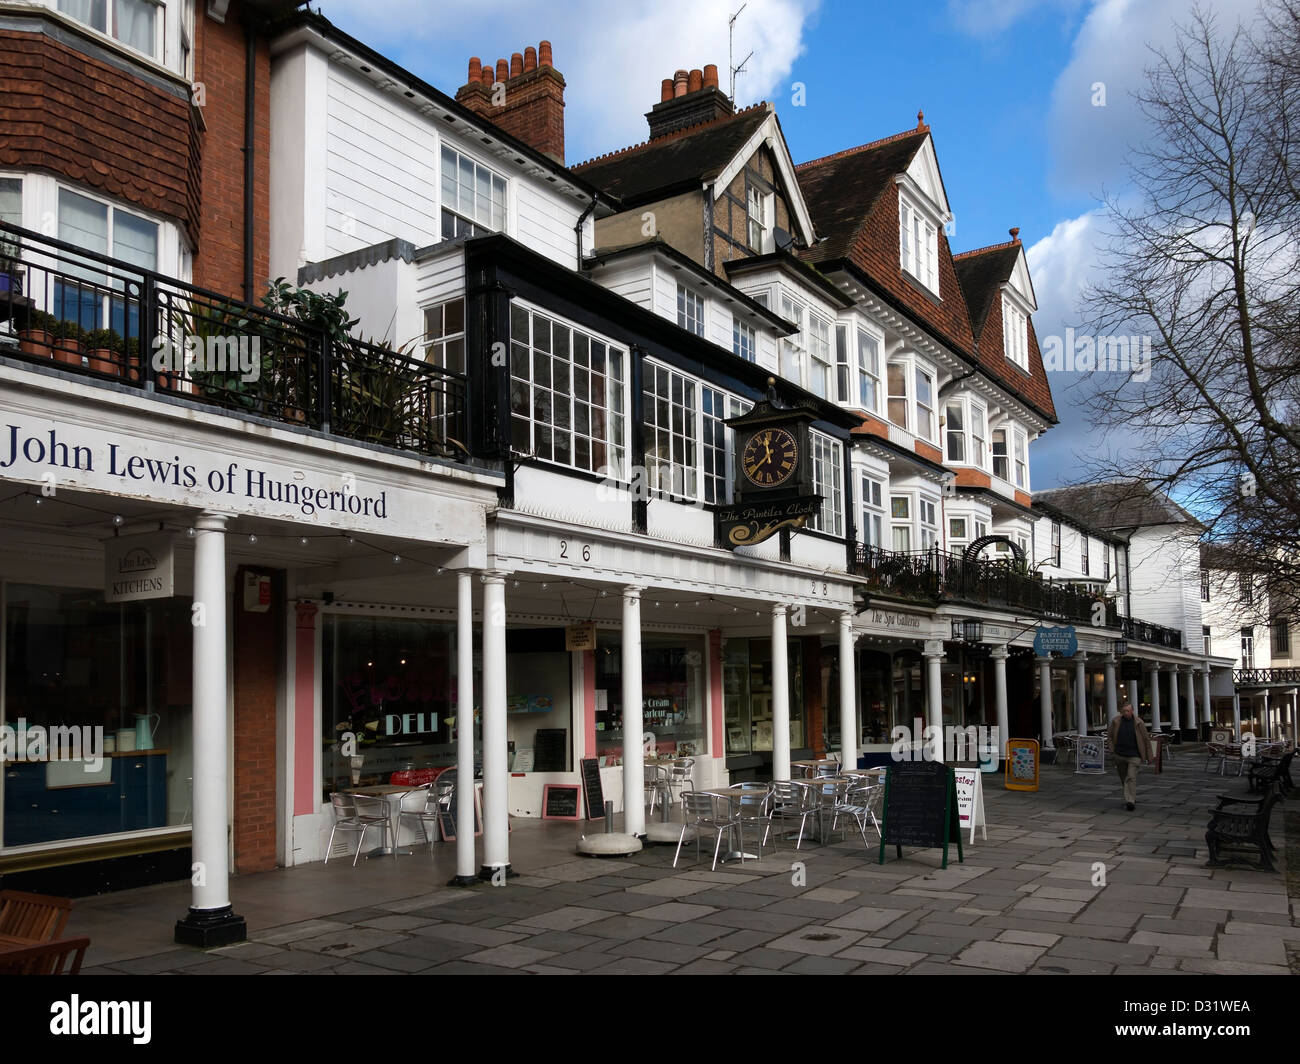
{"type": "Point", "coordinates": [69, 352]}
{"type": "Point", "coordinates": [36, 342]}
{"type": "Point", "coordinates": [104, 360]}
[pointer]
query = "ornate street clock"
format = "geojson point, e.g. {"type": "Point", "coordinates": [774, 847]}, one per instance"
{"type": "Point", "coordinates": [773, 474]}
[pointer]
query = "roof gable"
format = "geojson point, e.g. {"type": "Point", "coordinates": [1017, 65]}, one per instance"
{"type": "Point", "coordinates": [1119, 504]}
{"type": "Point", "coordinates": [923, 174]}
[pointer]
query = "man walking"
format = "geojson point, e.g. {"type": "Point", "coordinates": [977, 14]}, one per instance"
{"type": "Point", "coordinates": [1131, 744]}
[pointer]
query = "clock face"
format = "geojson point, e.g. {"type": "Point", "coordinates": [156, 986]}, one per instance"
{"type": "Point", "coordinates": [770, 458]}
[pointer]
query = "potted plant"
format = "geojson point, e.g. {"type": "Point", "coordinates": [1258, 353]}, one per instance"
{"type": "Point", "coordinates": [131, 358]}
{"type": "Point", "coordinates": [104, 351]}
{"type": "Point", "coordinates": [37, 339]}
{"type": "Point", "coordinates": [69, 343]}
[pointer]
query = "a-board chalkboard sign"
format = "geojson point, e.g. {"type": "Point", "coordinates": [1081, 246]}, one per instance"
{"type": "Point", "coordinates": [550, 750]}
{"type": "Point", "coordinates": [560, 801]}
{"type": "Point", "coordinates": [595, 797]}
{"type": "Point", "coordinates": [920, 808]}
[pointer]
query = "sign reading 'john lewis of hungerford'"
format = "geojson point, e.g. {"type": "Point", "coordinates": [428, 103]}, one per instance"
{"type": "Point", "coordinates": [137, 568]}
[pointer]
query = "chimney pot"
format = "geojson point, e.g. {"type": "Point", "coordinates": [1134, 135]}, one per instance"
{"type": "Point", "coordinates": [503, 70]}
{"type": "Point", "coordinates": [695, 81]}
{"type": "Point", "coordinates": [516, 64]}
{"type": "Point", "coordinates": [711, 76]}
{"type": "Point", "coordinates": [486, 77]}
{"type": "Point", "coordinates": [679, 83]}
{"type": "Point", "coordinates": [544, 53]}
{"type": "Point", "coordinates": [475, 70]}
{"type": "Point", "coordinates": [666, 90]}
{"type": "Point", "coordinates": [530, 59]}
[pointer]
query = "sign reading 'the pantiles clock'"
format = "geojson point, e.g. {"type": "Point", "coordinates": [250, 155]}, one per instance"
{"type": "Point", "coordinates": [773, 474]}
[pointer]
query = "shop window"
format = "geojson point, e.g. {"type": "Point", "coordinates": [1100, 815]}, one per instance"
{"type": "Point", "coordinates": [672, 691]}
{"type": "Point", "coordinates": [81, 675]}
{"type": "Point", "coordinates": [747, 694]}
{"type": "Point", "coordinates": [566, 395]}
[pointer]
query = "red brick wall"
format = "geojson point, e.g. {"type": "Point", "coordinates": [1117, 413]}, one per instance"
{"type": "Point", "coordinates": [258, 650]}
{"type": "Point", "coordinates": [533, 109]}
{"type": "Point", "coordinates": [67, 114]}
{"type": "Point", "coordinates": [219, 61]}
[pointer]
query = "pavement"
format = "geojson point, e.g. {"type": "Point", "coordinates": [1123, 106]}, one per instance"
{"type": "Point", "coordinates": [1067, 882]}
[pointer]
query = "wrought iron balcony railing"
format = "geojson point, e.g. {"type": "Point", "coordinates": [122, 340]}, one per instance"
{"type": "Point", "coordinates": [1266, 677]}
{"type": "Point", "coordinates": [107, 319]}
{"type": "Point", "coordinates": [1156, 634]}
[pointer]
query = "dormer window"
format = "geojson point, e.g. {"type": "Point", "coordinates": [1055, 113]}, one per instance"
{"type": "Point", "coordinates": [759, 206]}
{"type": "Point", "coordinates": [1015, 334]}
{"type": "Point", "coordinates": [918, 243]}
{"type": "Point", "coordinates": [473, 197]}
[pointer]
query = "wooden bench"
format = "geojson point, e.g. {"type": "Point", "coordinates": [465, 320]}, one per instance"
{"type": "Point", "coordinates": [35, 917]}
{"type": "Point", "coordinates": [1270, 770]}
{"type": "Point", "coordinates": [44, 958]}
{"type": "Point", "coordinates": [1244, 828]}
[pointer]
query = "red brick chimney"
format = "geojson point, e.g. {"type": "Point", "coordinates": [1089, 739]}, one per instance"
{"type": "Point", "coordinates": [686, 99]}
{"type": "Point", "coordinates": [527, 101]}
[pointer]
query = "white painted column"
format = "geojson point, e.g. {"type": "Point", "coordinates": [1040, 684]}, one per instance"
{"type": "Point", "coordinates": [1206, 714]}
{"type": "Point", "coordinates": [1080, 695]}
{"type": "Point", "coordinates": [1045, 701]}
{"type": "Point", "coordinates": [1190, 684]}
{"type": "Point", "coordinates": [1153, 678]}
{"type": "Point", "coordinates": [1174, 714]}
{"type": "Point", "coordinates": [1236, 716]}
{"type": "Point", "coordinates": [999, 656]}
{"type": "Point", "coordinates": [848, 688]}
{"type": "Point", "coordinates": [633, 717]}
{"type": "Point", "coordinates": [780, 697]}
{"type": "Point", "coordinates": [1133, 698]}
{"type": "Point", "coordinates": [465, 873]}
{"type": "Point", "coordinates": [210, 921]}
{"type": "Point", "coordinates": [1268, 718]}
{"type": "Point", "coordinates": [934, 691]}
{"type": "Point", "coordinates": [496, 765]}
{"type": "Point", "coordinates": [1112, 696]}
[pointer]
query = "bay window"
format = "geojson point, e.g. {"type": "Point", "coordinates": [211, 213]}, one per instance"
{"type": "Point", "coordinates": [717, 442]}
{"type": "Point", "coordinates": [1001, 464]}
{"type": "Point", "coordinates": [955, 429]}
{"type": "Point", "coordinates": [897, 378]}
{"type": "Point", "coordinates": [868, 370]}
{"type": "Point", "coordinates": [1022, 459]}
{"type": "Point", "coordinates": [900, 522]}
{"type": "Point", "coordinates": [135, 23]}
{"type": "Point", "coordinates": [567, 400]}
{"type": "Point", "coordinates": [473, 197]}
{"type": "Point", "coordinates": [929, 523]}
{"type": "Point", "coordinates": [819, 348]}
{"type": "Point", "coordinates": [924, 404]}
{"type": "Point", "coordinates": [96, 226]}
{"type": "Point", "coordinates": [791, 347]}
{"type": "Point", "coordinates": [958, 530]}
{"type": "Point", "coordinates": [978, 436]}
{"type": "Point", "coordinates": [670, 436]}
{"type": "Point", "coordinates": [828, 482]}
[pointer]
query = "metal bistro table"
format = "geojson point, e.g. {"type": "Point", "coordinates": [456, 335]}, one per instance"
{"type": "Point", "coordinates": [733, 795]}
{"type": "Point", "coordinates": [392, 793]}
{"type": "Point", "coordinates": [817, 785]}
{"type": "Point", "coordinates": [810, 767]}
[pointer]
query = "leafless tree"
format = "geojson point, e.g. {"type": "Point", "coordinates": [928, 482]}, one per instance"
{"type": "Point", "coordinates": [1203, 257]}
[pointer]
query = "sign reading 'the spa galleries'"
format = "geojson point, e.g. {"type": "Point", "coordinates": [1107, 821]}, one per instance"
{"type": "Point", "coordinates": [55, 455]}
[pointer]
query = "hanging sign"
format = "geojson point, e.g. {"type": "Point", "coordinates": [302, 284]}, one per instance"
{"type": "Point", "coordinates": [970, 800]}
{"type": "Point", "coordinates": [745, 525]}
{"type": "Point", "coordinates": [137, 568]}
{"type": "Point", "coordinates": [1022, 765]}
{"type": "Point", "coordinates": [1058, 639]}
{"type": "Point", "coordinates": [580, 636]}
{"type": "Point", "coordinates": [1090, 755]}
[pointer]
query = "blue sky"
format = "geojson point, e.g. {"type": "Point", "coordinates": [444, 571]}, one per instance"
{"type": "Point", "coordinates": [1009, 88]}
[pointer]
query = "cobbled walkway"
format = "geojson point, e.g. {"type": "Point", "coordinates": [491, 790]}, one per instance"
{"type": "Point", "coordinates": [1029, 899]}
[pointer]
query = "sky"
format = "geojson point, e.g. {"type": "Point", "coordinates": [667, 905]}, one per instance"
{"type": "Point", "coordinates": [1029, 103]}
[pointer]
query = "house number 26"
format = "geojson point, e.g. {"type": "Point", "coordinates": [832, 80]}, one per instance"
{"type": "Point", "coordinates": [564, 550]}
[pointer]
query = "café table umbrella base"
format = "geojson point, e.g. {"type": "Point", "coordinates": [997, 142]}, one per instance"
{"type": "Point", "coordinates": [610, 844]}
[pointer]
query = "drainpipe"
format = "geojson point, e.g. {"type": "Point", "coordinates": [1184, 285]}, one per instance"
{"type": "Point", "coordinates": [582, 220]}
{"type": "Point", "coordinates": [250, 118]}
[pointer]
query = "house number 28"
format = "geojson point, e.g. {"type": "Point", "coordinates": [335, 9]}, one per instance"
{"type": "Point", "coordinates": [564, 550]}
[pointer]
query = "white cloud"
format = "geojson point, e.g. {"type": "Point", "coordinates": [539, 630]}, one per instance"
{"type": "Point", "coordinates": [988, 18]}
{"type": "Point", "coordinates": [612, 61]}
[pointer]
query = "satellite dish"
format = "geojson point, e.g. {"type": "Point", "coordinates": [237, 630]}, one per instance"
{"type": "Point", "coordinates": [783, 240]}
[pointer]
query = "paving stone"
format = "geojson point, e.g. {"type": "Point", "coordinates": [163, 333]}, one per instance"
{"type": "Point", "coordinates": [1176, 945]}
{"type": "Point", "coordinates": [1000, 956]}
{"type": "Point", "coordinates": [944, 968]}
{"type": "Point", "coordinates": [830, 894]}
{"type": "Point", "coordinates": [1070, 966]}
{"type": "Point", "coordinates": [820, 940]}
{"type": "Point", "coordinates": [1219, 967]}
{"type": "Point", "coordinates": [758, 921]}
{"type": "Point", "coordinates": [171, 960]}
{"type": "Point", "coordinates": [929, 944]}
{"type": "Point", "coordinates": [348, 942]}
{"type": "Point", "coordinates": [395, 922]}
{"type": "Point", "coordinates": [675, 912]}
{"type": "Point", "coordinates": [1048, 905]}
{"type": "Point", "coordinates": [654, 950]}
{"type": "Point", "coordinates": [704, 967]}
{"type": "Point", "coordinates": [894, 958]}
{"type": "Point", "coordinates": [277, 936]}
{"type": "Point", "coordinates": [624, 927]}
{"type": "Point", "coordinates": [479, 936]}
{"type": "Point", "coordinates": [511, 955]}
{"type": "Point", "coordinates": [676, 887]}
{"type": "Point", "coordinates": [1246, 927]}
{"type": "Point", "coordinates": [762, 957]}
{"type": "Point", "coordinates": [225, 966]}
{"type": "Point", "coordinates": [1252, 949]}
{"type": "Point", "coordinates": [400, 962]}
{"type": "Point", "coordinates": [1027, 938]}
{"type": "Point", "coordinates": [1097, 949]}
{"type": "Point", "coordinates": [817, 965]}
{"type": "Point", "coordinates": [1235, 900]}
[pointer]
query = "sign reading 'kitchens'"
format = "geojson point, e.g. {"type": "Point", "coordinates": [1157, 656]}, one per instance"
{"type": "Point", "coordinates": [60, 456]}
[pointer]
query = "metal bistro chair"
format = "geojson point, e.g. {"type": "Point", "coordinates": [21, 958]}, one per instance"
{"type": "Point", "coordinates": [831, 792]}
{"type": "Point", "coordinates": [700, 811]}
{"type": "Point", "coordinates": [753, 811]}
{"type": "Point", "coordinates": [793, 801]}
{"type": "Point", "coordinates": [419, 807]}
{"type": "Point", "coordinates": [372, 813]}
{"type": "Point", "coordinates": [860, 803]}
{"type": "Point", "coordinates": [1215, 755]}
{"type": "Point", "coordinates": [681, 777]}
{"type": "Point", "coordinates": [656, 785]}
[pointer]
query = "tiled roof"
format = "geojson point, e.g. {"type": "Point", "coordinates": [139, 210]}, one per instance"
{"type": "Point", "coordinates": [854, 203]}
{"type": "Point", "coordinates": [644, 171]}
{"type": "Point", "coordinates": [1117, 504]}
{"type": "Point", "coordinates": [981, 274]}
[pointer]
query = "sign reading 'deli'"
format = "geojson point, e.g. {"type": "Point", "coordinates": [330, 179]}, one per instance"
{"type": "Point", "coordinates": [139, 567]}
